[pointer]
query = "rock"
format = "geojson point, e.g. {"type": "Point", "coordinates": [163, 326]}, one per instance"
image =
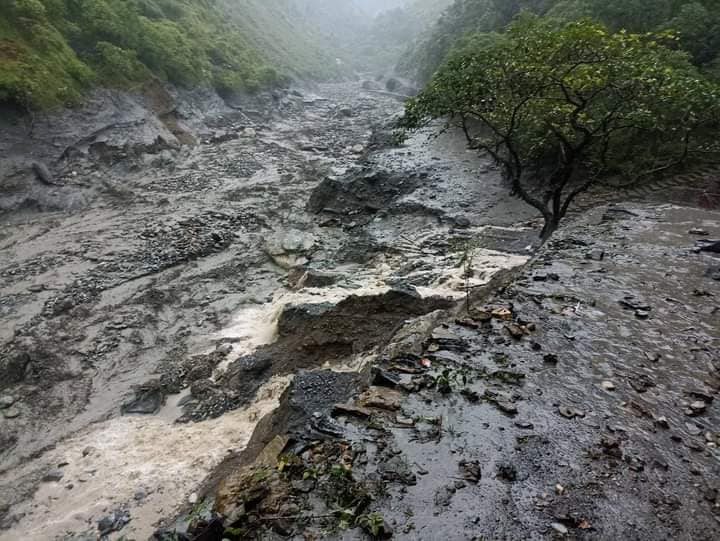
{"type": "Point", "coordinates": [642, 314]}
{"type": "Point", "coordinates": [443, 495]}
{"type": "Point", "coordinates": [224, 349]}
{"type": "Point", "coordinates": [633, 303]}
{"type": "Point", "coordinates": [6, 401]}
{"type": "Point", "coordinates": [290, 248]}
{"type": "Point", "coordinates": [608, 385]}
{"type": "Point", "coordinates": [346, 111]}
{"type": "Point", "coordinates": [249, 132]}
{"type": "Point", "coordinates": [693, 429]}
{"type": "Point", "coordinates": [502, 313]}
{"type": "Point", "coordinates": [507, 407]}
{"type": "Point", "coordinates": [148, 400]}
{"type": "Point", "coordinates": [559, 528]}
{"type": "Point", "coordinates": [43, 174]}
{"type": "Point", "coordinates": [698, 232]}
{"type": "Point", "coordinates": [392, 85]}
{"type": "Point", "coordinates": [524, 425]}
{"type": "Point", "coordinates": [516, 331]}
{"type": "Point", "coordinates": [383, 378]}
{"type": "Point", "coordinates": [550, 358]}
{"type": "Point", "coordinates": [381, 398]}
{"type": "Point", "coordinates": [611, 447]}
{"type": "Point", "coordinates": [357, 149]}
{"type": "Point", "coordinates": [570, 413]}
{"type": "Point", "coordinates": [324, 425]}
{"type": "Point", "coordinates": [696, 408]}
{"type": "Point", "coordinates": [396, 469]}
{"type": "Point", "coordinates": [53, 476]}
{"type": "Point", "coordinates": [462, 222]}
{"type": "Point", "coordinates": [300, 278]}
{"type": "Point", "coordinates": [371, 85]}
{"type": "Point", "coordinates": [14, 367]}
{"type": "Point", "coordinates": [662, 422]}
{"type": "Point", "coordinates": [507, 472]}
{"type": "Point", "coordinates": [596, 255]}
{"type": "Point", "coordinates": [113, 522]}
{"type": "Point", "coordinates": [351, 411]}
{"type": "Point", "coordinates": [11, 413]}
{"type": "Point", "coordinates": [471, 470]}
{"type": "Point", "coordinates": [713, 247]}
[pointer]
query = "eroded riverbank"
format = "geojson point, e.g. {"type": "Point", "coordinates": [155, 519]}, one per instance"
{"type": "Point", "coordinates": [170, 266]}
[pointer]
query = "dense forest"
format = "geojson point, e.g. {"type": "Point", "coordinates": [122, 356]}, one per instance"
{"type": "Point", "coordinates": [52, 50]}
{"type": "Point", "coordinates": [697, 23]}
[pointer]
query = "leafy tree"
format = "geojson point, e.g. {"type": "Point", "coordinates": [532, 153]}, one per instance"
{"type": "Point", "coordinates": [561, 108]}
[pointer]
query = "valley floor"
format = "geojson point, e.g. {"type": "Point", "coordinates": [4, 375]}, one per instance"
{"type": "Point", "coordinates": [182, 309]}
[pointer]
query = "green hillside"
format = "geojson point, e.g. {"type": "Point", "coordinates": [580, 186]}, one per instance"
{"type": "Point", "coordinates": [51, 51]}
{"type": "Point", "coordinates": [696, 21]}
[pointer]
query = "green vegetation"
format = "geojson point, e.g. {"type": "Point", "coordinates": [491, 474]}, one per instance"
{"type": "Point", "coordinates": [560, 107]}
{"type": "Point", "coordinates": [51, 51]}
{"type": "Point", "coordinates": [697, 23]}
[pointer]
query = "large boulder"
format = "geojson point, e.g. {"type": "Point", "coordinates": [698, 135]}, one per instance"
{"type": "Point", "coordinates": [290, 248]}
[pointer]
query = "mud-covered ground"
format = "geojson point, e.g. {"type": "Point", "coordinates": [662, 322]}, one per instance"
{"type": "Point", "coordinates": [577, 401]}
{"type": "Point", "coordinates": [202, 296]}
{"type": "Point", "coordinates": [143, 269]}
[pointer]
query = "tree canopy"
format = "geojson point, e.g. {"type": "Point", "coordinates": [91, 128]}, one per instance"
{"type": "Point", "coordinates": [53, 50]}
{"type": "Point", "coordinates": [697, 23]}
{"type": "Point", "coordinates": [561, 108]}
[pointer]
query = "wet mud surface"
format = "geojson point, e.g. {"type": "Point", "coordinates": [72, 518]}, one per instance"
{"type": "Point", "coordinates": [272, 327]}
{"type": "Point", "coordinates": [138, 286]}
{"type": "Point", "coordinates": [578, 401]}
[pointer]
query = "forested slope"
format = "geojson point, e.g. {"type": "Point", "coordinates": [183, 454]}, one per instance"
{"type": "Point", "coordinates": [696, 21]}
{"type": "Point", "coordinates": [53, 50]}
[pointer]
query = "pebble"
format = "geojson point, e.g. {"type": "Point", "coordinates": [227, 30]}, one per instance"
{"type": "Point", "coordinates": [11, 413]}
{"type": "Point", "coordinates": [559, 528]}
{"type": "Point", "coordinates": [6, 401]}
{"type": "Point", "coordinates": [53, 476]}
{"type": "Point", "coordinates": [608, 385]}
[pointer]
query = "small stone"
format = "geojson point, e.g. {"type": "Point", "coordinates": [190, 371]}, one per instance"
{"type": "Point", "coordinates": [642, 314]}
{"type": "Point", "coordinates": [608, 385]}
{"type": "Point", "coordinates": [570, 413]}
{"type": "Point", "coordinates": [524, 425]}
{"type": "Point", "coordinates": [595, 255]}
{"type": "Point", "coordinates": [698, 407]}
{"type": "Point", "coordinates": [6, 401]}
{"type": "Point", "coordinates": [11, 413]}
{"type": "Point", "coordinates": [693, 429]}
{"type": "Point", "coordinates": [559, 528]}
{"type": "Point", "coordinates": [502, 313]}
{"type": "Point", "coordinates": [351, 410]}
{"type": "Point", "coordinates": [53, 476]}
{"type": "Point", "coordinates": [662, 422]}
{"type": "Point", "coordinates": [550, 358]}
{"type": "Point", "coordinates": [698, 232]}
{"type": "Point", "coordinates": [559, 489]}
{"type": "Point", "coordinates": [224, 349]}
{"type": "Point", "coordinates": [88, 451]}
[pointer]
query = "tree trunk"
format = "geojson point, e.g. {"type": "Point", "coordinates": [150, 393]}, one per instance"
{"type": "Point", "coordinates": [552, 222]}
